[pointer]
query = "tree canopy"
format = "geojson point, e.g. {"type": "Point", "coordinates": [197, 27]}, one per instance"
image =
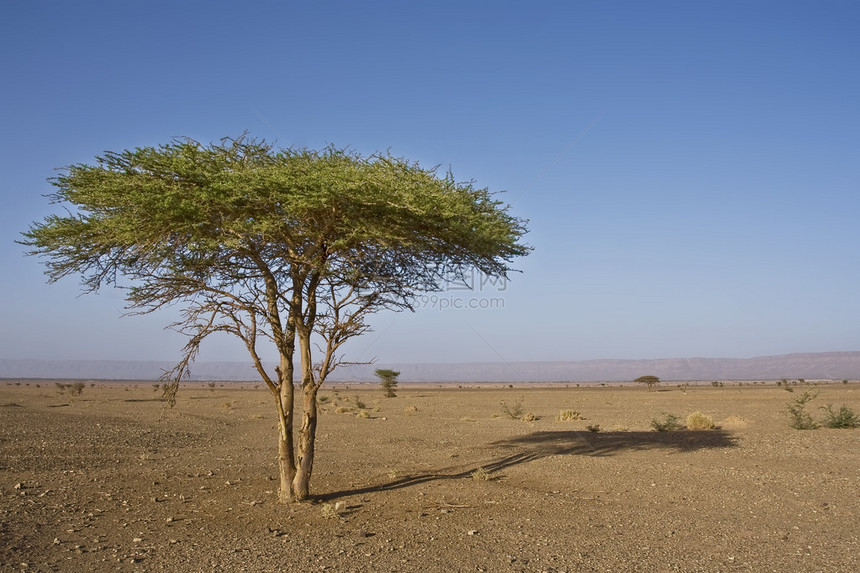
{"type": "Point", "coordinates": [273, 246]}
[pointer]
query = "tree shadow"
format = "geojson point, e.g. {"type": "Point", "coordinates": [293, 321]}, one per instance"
{"type": "Point", "coordinates": [537, 445]}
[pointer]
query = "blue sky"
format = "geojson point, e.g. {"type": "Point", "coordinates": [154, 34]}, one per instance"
{"type": "Point", "coordinates": [690, 170]}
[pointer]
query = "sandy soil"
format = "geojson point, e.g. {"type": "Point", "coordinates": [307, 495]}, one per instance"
{"type": "Point", "coordinates": [111, 481]}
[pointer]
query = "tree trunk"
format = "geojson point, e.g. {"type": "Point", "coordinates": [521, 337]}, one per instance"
{"type": "Point", "coordinates": [306, 445]}
{"type": "Point", "coordinates": [286, 453]}
{"type": "Point", "coordinates": [308, 432]}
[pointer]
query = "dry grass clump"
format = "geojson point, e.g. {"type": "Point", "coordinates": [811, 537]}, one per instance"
{"type": "Point", "coordinates": [480, 474]}
{"type": "Point", "coordinates": [568, 416]}
{"type": "Point", "coordinates": [342, 410]}
{"type": "Point", "coordinates": [699, 421]}
{"type": "Point", "coordinates": [331, 510]}
{"type": "Point", "coordinates": [410, 409]}
{"type": "Point", "coordinates": [529, 417]}
{"type": "Point", "coordinates": [734, 423]}
{"type": "Point", "coordinates": [363, 414]}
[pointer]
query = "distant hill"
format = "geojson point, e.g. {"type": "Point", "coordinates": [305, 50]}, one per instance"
{"type": "Point", "coordinates": [820, 365]}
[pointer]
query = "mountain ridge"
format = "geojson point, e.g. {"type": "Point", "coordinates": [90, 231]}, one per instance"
{"type": "Point", "coordinates": [817, 365]}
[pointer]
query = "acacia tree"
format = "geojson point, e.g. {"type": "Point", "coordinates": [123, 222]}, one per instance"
{"type": "Point", "coordinates": [279, 247]}
{"type": "Point", "coordinates": [650, 381]}
{"type": "Point", "coordinates": [388, 381]}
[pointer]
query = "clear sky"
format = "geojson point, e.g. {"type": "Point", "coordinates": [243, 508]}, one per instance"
{"type": "Point", "coordinates": [690, 170]}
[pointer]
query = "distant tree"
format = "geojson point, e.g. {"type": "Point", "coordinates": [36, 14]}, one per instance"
{"type": "Point", "coordinates": [282, 247]}
{"type": "Point", "coordinates": [388, 381]}
{"type": "Point", "coordinates": [650, 381]}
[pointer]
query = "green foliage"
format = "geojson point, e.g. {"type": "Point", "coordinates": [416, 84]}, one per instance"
{"type": "Point", "coordinates": [843, 418]}
{"type": "Point", "coordinates": [799, 418]}
{"type": "Point", "coordinates": [650, 381]}
{"type": "Point", "coordinates": [388, 381]}
{"type": "Point", "coordinates": [669, 423]}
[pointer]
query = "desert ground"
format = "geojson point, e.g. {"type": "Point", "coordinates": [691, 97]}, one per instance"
{"type": "Point", "coordinates": [436, 479]}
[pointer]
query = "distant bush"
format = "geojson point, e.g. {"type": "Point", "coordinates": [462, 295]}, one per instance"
{"type": "Point", "coordinates": [843, 418]}
{"type": "Point", "coordinates": [669, 423]}
{"type": "Point", "coordinates": [700, 421]}
{"type": "Point", "coordinates": [75, 389]}
{"type": "Point", "coordinates": [798, 417]}
{"type": "Point", "coordinates": [593, 428]}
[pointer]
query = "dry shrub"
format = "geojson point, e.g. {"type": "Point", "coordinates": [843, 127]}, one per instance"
{"type": "Point", "coordinates": [568, 415]}
{"type": "Point", "coordinates": [799, 418]}
{"type": "Point", "coordinates": [514, 412]}
{"type": "Point", "coordinates": [529, 417]}
{"type": "Point", "coordinates": [700, 421]}
{"type": "Point", "coordinates": [363, 414]}
{"type": "Point", "coordinates": [669, 423]}
{"type": "Point", "coordinates": [343, 410]}
{"type": "Point", "coordinates": [842, 418]}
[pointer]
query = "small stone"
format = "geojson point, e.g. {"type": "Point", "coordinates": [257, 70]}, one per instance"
{"type": "Point", "coordinates": [137, 540]}
{"type": "Point", "coordinates": [57, 541]}
{"type": "Point", "coordinates": [472, 532]}
{"type": "Point", "coordinates": [19, 485]}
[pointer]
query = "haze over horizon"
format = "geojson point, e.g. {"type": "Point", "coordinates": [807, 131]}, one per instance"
{"type": "Point", "coordinates": [690, 170]}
